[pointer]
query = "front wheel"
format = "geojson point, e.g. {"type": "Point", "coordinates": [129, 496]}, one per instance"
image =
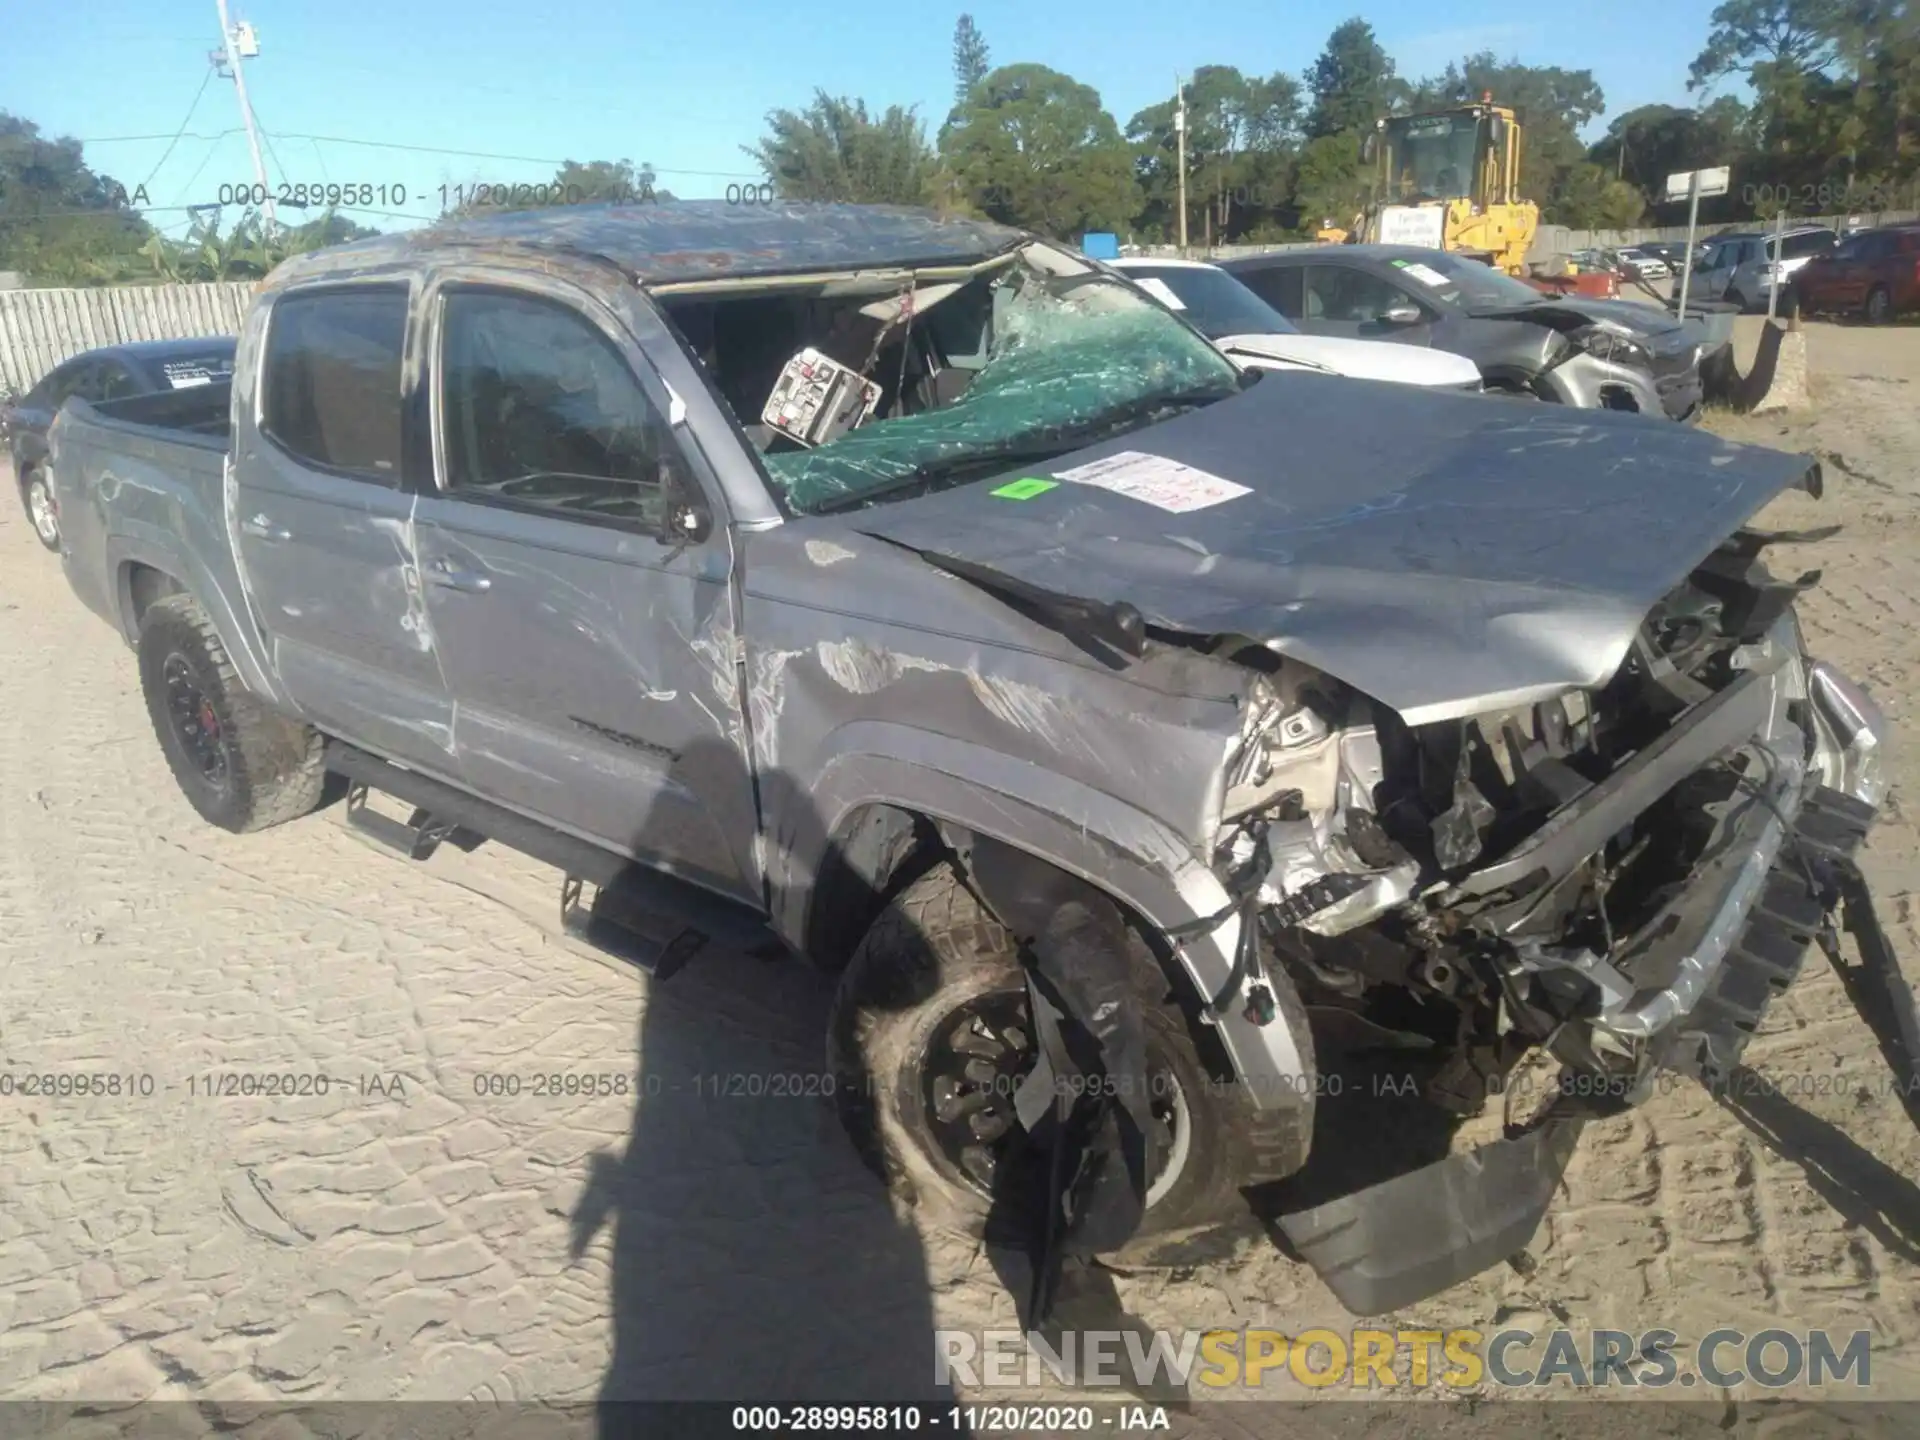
{"type": "Point", "coordinates": [930, 1038]}
{"type": "Point", "coordinates": [241, 765]}
{"type": "Point", "coordinates": [36, 493]}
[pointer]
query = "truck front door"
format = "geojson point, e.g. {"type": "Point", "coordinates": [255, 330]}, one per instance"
{"type": "Point", "coordinates": [325, 525]}
{"type": "Point", "coordinates": [592, 666]}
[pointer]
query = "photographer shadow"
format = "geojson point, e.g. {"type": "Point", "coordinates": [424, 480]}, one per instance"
{"type": "Point", "coordinates": [755, 1259]}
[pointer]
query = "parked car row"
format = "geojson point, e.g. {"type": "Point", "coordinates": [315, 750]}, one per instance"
{"type": "Point", "coordinates": [1117, 722]}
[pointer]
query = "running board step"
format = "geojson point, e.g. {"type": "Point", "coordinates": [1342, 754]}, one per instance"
{"type": "Point", "coordinates": [632, 906]}
{"type": "Point", "coordinates": [615, 924]}
{"type": "Point", "coordinates": [416, 837]}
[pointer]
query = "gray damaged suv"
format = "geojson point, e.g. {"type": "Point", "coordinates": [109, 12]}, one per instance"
{"type": "Point", "coordinates": [1121, 731]}
{"type": "Point", "coordinates": [1595, 354]}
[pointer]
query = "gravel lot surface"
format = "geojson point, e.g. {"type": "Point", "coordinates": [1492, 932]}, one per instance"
{"type": "Point", "coordinates": [409, 1235]}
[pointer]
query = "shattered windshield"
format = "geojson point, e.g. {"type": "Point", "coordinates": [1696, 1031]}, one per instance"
{"type": "Point", "coordinates": [1065, 360]}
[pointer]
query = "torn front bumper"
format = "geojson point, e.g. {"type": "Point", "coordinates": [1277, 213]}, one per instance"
{"type": "Point", "coordinates": [1730, 944]}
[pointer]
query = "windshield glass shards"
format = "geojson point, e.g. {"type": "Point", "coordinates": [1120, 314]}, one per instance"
{"type": "Point", "coordinates": [1063, 360]}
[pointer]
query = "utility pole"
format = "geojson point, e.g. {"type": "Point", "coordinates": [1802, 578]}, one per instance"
{"type": "Point", "coordinates": [232, 50]}
{"type": "Point", "coordinates": [1180, 136]}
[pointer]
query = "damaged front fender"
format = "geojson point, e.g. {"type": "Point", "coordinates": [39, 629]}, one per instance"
{"type": "Point", "coordinates": [1128, 855]}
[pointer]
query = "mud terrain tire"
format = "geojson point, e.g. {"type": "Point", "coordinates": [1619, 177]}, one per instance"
{"type": "Point", "coordinates": [933, 950]}
{"type": "Point", "coordinates": [253, 767]}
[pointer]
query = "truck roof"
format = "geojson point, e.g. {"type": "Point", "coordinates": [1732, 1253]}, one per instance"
{"type": "Point", "coordinates": [661, 242]}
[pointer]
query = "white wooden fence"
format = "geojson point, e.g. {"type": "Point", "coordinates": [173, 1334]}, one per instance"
{"type": "Point", "coordinates": [40, 328]}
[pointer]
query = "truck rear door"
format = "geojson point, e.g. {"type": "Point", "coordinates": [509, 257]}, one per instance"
{"type": "Point", "coordinates": [325, 523]}
{"type": "Point", "coordinates": [591, 665]}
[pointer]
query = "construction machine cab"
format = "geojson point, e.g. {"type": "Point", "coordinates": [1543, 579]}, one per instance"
{"type": "Point", "coordinates": [1470, 152]}
{"type": "Point", "coordinates": [1451, 178]}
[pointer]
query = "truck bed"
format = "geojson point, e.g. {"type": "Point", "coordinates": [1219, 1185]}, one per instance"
{"type": "Point", "coordinates": [138, 482]}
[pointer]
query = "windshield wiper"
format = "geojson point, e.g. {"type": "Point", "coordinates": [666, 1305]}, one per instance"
{"type": "Point", "coordinates": [1299, 360]}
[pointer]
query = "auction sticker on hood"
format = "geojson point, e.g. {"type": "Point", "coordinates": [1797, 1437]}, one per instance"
{"type": "Point", "coordinates": [1156, 480]}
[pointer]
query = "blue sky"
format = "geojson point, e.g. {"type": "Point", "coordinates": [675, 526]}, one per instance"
{"type": "Point", "coordinates": [682, 86]}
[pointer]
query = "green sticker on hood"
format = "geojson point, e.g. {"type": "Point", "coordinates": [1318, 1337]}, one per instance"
{"type": "Point", "coordinates": [1025, 489]}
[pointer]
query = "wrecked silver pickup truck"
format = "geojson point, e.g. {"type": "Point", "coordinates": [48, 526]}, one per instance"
{"type": "Point", "coordinates": [1106, 720]}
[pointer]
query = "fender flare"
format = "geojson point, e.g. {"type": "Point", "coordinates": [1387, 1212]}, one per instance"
{"type": "Point", "coordinates": [1114, 847]}
{"type": "Point", "coordinates": [236, 632]}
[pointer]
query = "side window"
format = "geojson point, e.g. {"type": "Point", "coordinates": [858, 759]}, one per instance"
{"type": "Point", "coordinates": [1279, 286]}
{"type": "Point", "coordinates": [82, 380]}
{"type": "Point", "coordinates": [331, 387]}
{"type": "Point", "coordinates": [1814, 242]}
{"type": "Point", "coordinates": [115, 381]}
{"type": "Point", "coordinates": [539, 410]}
{"type": "Point", "coordinates": [1339, 292]}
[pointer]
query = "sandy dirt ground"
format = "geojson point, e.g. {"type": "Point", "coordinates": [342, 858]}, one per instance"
{"type": "Point", "coordinates": [409, 1235]}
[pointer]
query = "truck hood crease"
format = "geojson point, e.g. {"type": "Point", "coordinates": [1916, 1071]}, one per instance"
{"type": "Point", "coordinates": [1445, 554]}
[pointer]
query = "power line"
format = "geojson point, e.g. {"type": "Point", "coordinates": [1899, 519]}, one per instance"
{"type": "Point", "coordinates": [426, 150]}
{"type": "Point", "coordinates": [205, 80]}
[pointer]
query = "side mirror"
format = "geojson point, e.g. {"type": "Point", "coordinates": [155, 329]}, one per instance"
{"type": "Point", "coordinates": [684, 516]}
{"type": "Point", "coordinates": [1401, 315]}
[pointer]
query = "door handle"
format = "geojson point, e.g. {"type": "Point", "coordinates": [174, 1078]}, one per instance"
{"type": "Point", "coordinates": [262, 527]}
{"type": "Point", "coordinates": [444, 573]}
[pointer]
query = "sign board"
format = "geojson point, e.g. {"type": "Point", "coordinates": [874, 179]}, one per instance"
{"type": "Point", "coordinates": [1423, 225]}
{"type": "Point", "coordinates": [1100, 245]}
{"type": "Point", "coordinates": [1712, 182]}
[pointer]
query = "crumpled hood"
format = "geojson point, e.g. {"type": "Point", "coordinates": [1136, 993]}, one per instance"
{"type": "Point", "coordinates": [1360, 359]}
{"type": "Point", "coordinates": [1571, 312]}
{"type": "Point", "coordinates": [1447, 554]}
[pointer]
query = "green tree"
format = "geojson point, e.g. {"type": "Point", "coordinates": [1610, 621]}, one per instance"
{"type": "Point", "coordinates": [834, 150]}
{"type": "Point", "coordinates": [247, 251]}
{"type": "Point", "coordinates": [970, 64]}
{"type": "Point", "coordinates": [1329, 183]}
{"type": "Point", "coordinates": [1241, 133]}
{"type": "Point", "coordinates": [1799, 34]}
{"type": "Point", "coordinates": [1036, 148]}
{"type": "Point", "coordinates": [60, 222]}
{"type": "Point", "coordinates": [1352, 81]}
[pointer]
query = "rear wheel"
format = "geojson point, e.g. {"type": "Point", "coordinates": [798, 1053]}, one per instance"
{"type": "Point", "coordinates": [241, 765]}
{"type": "Point", "coordinates": [930, 1037]}
{"type": "Point", "coordinates": [36, 493]}
{"type": "Point", "coordinates": [1879, 307]}
{"type": "Point", "coordinates": [1736, 299]}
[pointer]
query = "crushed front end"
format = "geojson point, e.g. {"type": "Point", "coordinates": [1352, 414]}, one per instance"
{"type": "Point", "coordinates": [1611, 881]}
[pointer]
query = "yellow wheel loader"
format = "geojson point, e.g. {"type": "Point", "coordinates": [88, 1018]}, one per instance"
{"type": "Point", "coordinates": [1450, 179]}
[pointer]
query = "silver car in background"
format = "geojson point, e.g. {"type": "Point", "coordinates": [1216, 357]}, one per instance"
{"type": "Point", "coordinates": [1742, 269]}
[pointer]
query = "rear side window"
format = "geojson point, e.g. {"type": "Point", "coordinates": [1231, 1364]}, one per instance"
{"type": "Point", "coordinates": [1280, 286]}
{"type": "Point", "coordinates": [115, 382]}
{"type": "Point", "coordinates": [192, 370]}
{"type": "Point", "coordinates": [331, 385]}
{"type": "Point", "coordinates": [1814, 242]}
